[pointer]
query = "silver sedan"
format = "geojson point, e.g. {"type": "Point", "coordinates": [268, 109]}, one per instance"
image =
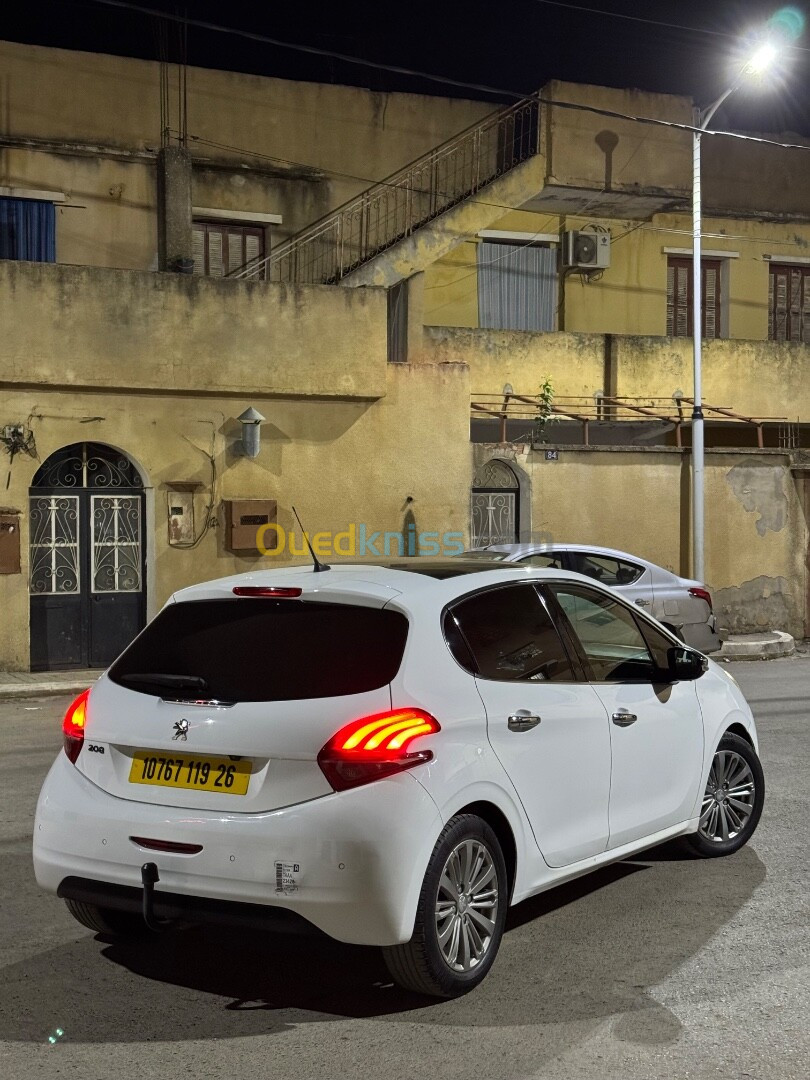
{"type": "Point", "coordinates": [683, 605]}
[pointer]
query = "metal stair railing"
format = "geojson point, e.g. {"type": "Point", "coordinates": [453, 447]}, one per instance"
{"type": "Point", "coordinates": [325, 252]}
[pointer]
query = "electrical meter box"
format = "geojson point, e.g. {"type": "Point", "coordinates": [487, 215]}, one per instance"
{"type": "Point", "coordinates": [244, 518]}
{"type": "Point", "coordinates": [9, 542]}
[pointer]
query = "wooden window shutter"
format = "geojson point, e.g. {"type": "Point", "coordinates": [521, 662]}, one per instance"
{"type": "Point", "coordinates": [680, 292]}
{"type": "Point", "coordinates": [253, 246]}
{"type": "Point", "coordinates": [710, 301]}
{"type": "Point", "coordinates": [236, 250]}
{"type": "Point", "coordinates": [776, 303]}
{"type": "Point", "coordinates": [795, 332]}
{"type": "Point", "coordinates": [215, 266]}
{"type": "Point", "coordinates": [683, 291]}
{"type": "Point", "coordinates": [789, 303]}
{"type": "Point", "coordinates": [679, 296]}
{"type": "Point", "coordinates": [220, 249]}
{"type": "Point", "coordinates": [198, 248]}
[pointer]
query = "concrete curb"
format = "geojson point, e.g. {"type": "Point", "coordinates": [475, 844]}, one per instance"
{"type": "Point", "coordinates": [12, 689]}
{"type": "Point", "coordinates": [766, 646]}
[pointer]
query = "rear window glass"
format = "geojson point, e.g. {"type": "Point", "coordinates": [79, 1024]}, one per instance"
{"type": "Point", "coordinates": [264, 650]}
{"type": "Point", "coordinates": [604, 569]}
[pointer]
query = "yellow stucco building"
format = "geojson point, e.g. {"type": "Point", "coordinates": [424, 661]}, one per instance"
{"type": "Point", "coordinates": [153, 288]}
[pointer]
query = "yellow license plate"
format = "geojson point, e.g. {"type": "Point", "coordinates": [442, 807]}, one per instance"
{"type": "Point", "coordinates": [190, 771]}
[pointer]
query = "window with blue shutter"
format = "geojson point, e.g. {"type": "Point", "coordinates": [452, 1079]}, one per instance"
{"type": "Point", "coordinates": [27, 230]}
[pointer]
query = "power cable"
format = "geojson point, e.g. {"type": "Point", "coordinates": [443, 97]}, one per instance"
{"type": "Point", "coordinates": [649, 22]}
{"type": "Point", "coordinates": [264, 39]}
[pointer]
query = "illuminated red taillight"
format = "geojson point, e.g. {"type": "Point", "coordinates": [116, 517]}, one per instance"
{"type": "Point", "coordinates": [702, 594]}
{"type": "Point", "coordinates": [272, 591]}
{"type": "Point", "coordinates": [73, 726]}
{"type": "Point", "coordinates": [376, 746]}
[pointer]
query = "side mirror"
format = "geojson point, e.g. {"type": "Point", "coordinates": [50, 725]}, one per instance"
{"type": "Point", "coordinates": [686, 664]}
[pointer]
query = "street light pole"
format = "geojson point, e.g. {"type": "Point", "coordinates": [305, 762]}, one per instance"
{"type": "Point", "coordinates": [759, 62]}
{"type": "Point", "coordinates": [703, 119]}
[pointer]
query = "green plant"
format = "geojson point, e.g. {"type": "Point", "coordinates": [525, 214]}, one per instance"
{"type": "Point", "coordinates": [545, 410]}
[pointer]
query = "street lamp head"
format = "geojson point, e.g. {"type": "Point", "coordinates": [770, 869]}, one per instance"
{"type": "Point", "coordinates": [762, 60]}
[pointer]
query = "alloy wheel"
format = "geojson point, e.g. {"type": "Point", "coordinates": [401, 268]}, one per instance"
{"type": "Point", "coordinates": [729, 798]}
{"type": "Point", "coordinates": [467, 905]}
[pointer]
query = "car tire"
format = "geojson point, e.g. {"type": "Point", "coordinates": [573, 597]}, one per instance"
{"type": "Point", "coordinates": [120, 924]}
{"type": "Point", "coordinates": [735, 768]}
{"type": "Point", "coordinates": [457, 933]}
{"type": "Point", "coordinates": [678, 633]}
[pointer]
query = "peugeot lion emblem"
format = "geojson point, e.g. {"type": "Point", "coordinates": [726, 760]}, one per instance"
{"type": "Point", "coordinates": [180, 730]}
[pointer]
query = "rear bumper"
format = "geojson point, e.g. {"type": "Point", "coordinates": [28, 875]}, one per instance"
{"type": "Point", "coordinates": [196, 909]}
{"type": "Point", "coordinates": [351, 864]}
{"type": "Point", "coordinates": [702, 636]}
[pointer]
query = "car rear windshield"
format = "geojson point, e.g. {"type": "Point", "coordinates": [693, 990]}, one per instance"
{"type": "Point", "coordinates": [263, 650]}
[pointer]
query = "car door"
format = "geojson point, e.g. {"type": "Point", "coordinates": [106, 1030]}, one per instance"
{"type": "Point", "coordinates": [656, 728]}
{"type": "Point", "coordinates": [547, 726]}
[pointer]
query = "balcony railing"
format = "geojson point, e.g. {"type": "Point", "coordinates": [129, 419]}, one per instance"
{"type": "Point", "coordinates": [393, 209]}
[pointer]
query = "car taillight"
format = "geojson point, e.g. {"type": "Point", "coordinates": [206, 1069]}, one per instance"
{"type": "Point", "coordinates": [73, 726]}
{"type": "Point", "coordinates": [376, 746]}
{"type": "Point", "coordinates": [702, 594]}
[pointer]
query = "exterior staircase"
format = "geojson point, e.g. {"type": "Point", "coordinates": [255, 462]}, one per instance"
{"type": "Point", "coordinates": [461, 186]}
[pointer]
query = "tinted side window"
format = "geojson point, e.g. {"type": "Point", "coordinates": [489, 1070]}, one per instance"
{"type": "Point", "coordinates": [658, 644]}
{"type": "Point", "coordinates": [511, 636]}
{"type": "Point", "coordinates": [608, 634]}
{"type": "Point", "coordinates": [604, 568]}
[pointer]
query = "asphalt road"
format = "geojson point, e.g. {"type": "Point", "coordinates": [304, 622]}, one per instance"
{"type": "Point", "coordinates": [662, 967]}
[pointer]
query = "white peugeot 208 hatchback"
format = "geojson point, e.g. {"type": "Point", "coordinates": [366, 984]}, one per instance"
{"type": "Point", "coordinates": [389, 754]}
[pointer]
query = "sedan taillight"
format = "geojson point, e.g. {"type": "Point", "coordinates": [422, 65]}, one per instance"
{"type": "Point", "coordinates": [702, 594]}
{"type": "Point", "coordinates": [376, 746]}
{"type": "Point", "coordinates": [73, 726]}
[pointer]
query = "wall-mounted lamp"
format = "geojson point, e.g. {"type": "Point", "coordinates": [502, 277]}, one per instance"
{"type": "Point", "coordinates": [251, 420]}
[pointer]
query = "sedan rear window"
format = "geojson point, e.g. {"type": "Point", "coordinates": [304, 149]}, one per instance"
{"type": "Point", "coordinates": [263, 650]}
{"type": "Point", "coordinates": [605, 569]}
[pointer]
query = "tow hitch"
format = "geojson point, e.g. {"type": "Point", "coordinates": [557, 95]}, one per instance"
{"type": "Point", "coordinates": [149, 876]}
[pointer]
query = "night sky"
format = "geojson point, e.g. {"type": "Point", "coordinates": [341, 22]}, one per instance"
{"type": "Point", "coordinates": [513, 45]}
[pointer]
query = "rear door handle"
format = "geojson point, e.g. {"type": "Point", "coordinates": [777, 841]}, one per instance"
{"type": "Point", "coordinates": [643, 603]}
{"type": "Point", "coordinates": [523, 720]}
{"type": "Point", "coordinates": [623, 718]}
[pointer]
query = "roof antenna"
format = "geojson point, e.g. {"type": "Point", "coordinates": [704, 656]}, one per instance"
{"type": "Point", "coordinates": [319, 566]}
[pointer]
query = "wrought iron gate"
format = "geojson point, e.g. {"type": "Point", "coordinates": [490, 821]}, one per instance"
{"type": "Point", "coordinates": [494, 505]}
{"type": "Point", "coordinates": [86, 557]}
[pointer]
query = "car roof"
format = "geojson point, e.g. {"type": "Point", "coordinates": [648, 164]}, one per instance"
{"type": "Point", "coordinates": [595, 549]}
{"type": "Point", "coordinates": [378, 580]}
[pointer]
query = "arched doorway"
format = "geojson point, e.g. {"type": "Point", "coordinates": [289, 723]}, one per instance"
{"type": "Point", "coordinates": [87, 557]}
{"type": "Point", "coordinates": [495, 505]}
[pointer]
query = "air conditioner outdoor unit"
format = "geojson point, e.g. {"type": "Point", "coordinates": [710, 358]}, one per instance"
{"type": "Point", "coordinates": [586, 250]}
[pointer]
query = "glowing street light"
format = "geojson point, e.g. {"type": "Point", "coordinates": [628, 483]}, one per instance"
{"type": "Point", "coordinates": [762, 59]}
